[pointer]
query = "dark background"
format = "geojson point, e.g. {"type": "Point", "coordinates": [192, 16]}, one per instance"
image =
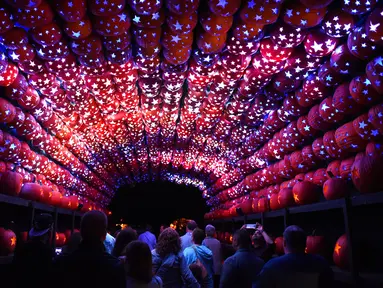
{"type": "Point", "coordinates": [157, 203]}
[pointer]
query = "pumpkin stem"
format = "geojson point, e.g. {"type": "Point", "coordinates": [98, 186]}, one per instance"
{"type": "Point", "coordinates": [330, 174]}
{"type": "Point", "coordinates": [313, 234]}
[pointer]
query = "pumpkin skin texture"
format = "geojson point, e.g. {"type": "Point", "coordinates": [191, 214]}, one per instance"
{"type": "Point", "coordinates": [7, 242]}
{"type": "Point", "coordinates": [11, 183]}
{"type": "Point", "coordinates": [366, 174]}
{"type": "Point", "coordinates": [254, 205]}
{"type": "Point", "coordinates": [279, 250]}
{"type": "Point", "coordinates": [246, 206]}
{"type": "Point", "coordinates": [306, 193]}
{"type": "Point", "coordinates": [286, 198]}
{"type": "Point", "coordinates": [32, 191]}
{"type": "Point", "coordinates": [340, 254]}
{"type": "Point", "coordinates": [263, 205]}
{"type": "Point", "coordinates": [334, 188]}
{"type": "Point", "coordinates": [316, 245]}
{"type": "Point", "coordinates": [274, 202]}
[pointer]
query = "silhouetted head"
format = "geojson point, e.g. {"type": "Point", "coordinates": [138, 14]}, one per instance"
{"type": "Point", "coordinates": [197, 236]}
{"type": "Point", "coordinates": [93, 226]}
{"type": "Point", "coordinates": [210, 230]}
{"type": "Point", "coordinates": [191, 225]}
{"type": "Point", "coordinates": [123, 239]}
{"type": "Point", "coordinates": [138, 263]}
{"type": "Point", "coordinates": [294, 240]}
{"type": "Point", "coordinates": [241, 239]}
{"type": "Point", "coordinates": [169, 242]}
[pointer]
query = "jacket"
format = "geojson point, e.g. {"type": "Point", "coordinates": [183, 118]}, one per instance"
{"type": "Point", "coordinates": [89, 266]}
{"type": "Point", "coordinates": [205, 256]}
{"type": "Point", "coordinates": [173, 270]}
{"type": "Point", "coordinates": [215, 246]}
{"type": "Point", "coordinates": [241, 269]}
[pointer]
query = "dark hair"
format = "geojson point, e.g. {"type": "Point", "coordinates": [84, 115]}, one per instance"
{"type": "Point", "coordinates": [73, 242]}
{"type": "Point", "coordinates": [93, 226]}
{"type": "Point", "coordinates": [197, 272]}
{"type": "Point", "coordinates": [295, 238]}
{"type": "Point", "coordinates": [138, 264]}
{"type": "Point", "coordinates": [198, 236]}
{"type": "Point", "coordinates": [124, 238]}
{"type": "Point", "coordinates": [191, 225]}
{"type": "Point", "coordinates": [168, 242]}
{"type": "Point", "coordinates": [242, 237]}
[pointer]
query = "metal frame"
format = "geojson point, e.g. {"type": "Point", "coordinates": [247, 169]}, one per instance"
{"type": "Point", "coordinates": [346, 204]}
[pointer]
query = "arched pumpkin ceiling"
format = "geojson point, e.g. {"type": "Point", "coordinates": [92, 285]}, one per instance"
{"type": "Point", "coordinates": [100, 94]}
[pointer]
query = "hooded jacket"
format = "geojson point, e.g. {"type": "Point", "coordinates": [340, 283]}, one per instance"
{"type": "Point", "coordinates": [204, 255]}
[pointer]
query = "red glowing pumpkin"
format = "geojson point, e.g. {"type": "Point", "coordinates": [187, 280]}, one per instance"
{"type": "Point", "coordinates": [7, 242]}
{"type": "Point", "coordinates": [306, 193]}
{"type": "Point", "coordinates": [11, 183]}
{"type": "Point", "coordinates": [335, 188]}
{"type": "Point", "coordinates": [366, 174]}
{"type": "Point", "coordinates": [340, 254]}
{"type": "Point", "coordinates": [279, 250]}
{"type": "Point", "coordinates": [316, 245]}
{"type": "Point", "coordinates": [286, 197]}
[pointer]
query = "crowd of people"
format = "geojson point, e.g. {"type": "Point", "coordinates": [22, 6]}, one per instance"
{"type": "Point", "coordinates": [93, 258]}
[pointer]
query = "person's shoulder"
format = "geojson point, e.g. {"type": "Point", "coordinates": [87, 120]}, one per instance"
{"type": "Point", "coordinates": [188, 250]}
{"type": "Point", "coordinates": [276, 262]}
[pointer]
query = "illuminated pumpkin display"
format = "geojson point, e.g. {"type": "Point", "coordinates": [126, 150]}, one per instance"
{"type": "Point", "coordinates": [279, 250]}
{"type": "Point", "coordinates": [113, 93]}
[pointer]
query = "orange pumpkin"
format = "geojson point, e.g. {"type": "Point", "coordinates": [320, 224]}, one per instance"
{"type": "Point", "coordinates": [306, 193]}
{"type": "Point", "coordinates": [7, 242]}
{"type": "Point", "coordinates": [340, 254]}
{"type": "Point", "coordinates": [286, 197]}
{"type": "Point", "coordinates": [263, 205]}
{"type": "Point", "coordinates": [246, 206]}
{"type": "Point", "coordinates": [60, 239]}
{"type": "Point", "coordinates": [316, 245]}
{"type": "Point", "coordinates": [254, 205]}
{"type": "Point", "coordinates": [366, 174]}
{"type": "Point", "coordinates": [279, 250]}
{"type": "Point", "coordinates": [11, 183]}
{"type": "Point", "coordinates": [32, 191]}
{"type": "Point", "coordinates": [55, 198]}
{"type": "Point", "coordinates": [335, 188]}
{"type": "Point", "coordinates": [333, 169]}
{"type": "Point", "coordinates": [274, 202]}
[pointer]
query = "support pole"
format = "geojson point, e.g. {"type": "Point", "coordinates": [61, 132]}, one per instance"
{"type": "Point", "coordinates": [54, 229]}
{"type": "Point", "coordinates": [347, 215]}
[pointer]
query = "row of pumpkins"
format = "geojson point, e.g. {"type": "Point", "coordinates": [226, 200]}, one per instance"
{"type": "Point", "coordinates": [8, 239]}
{"type": "Point", "coordinates": [11, 183]}
{"type": "Point", "coordinates": [333, 182]}
{"type": "Point", "coordinates": [314, 245]}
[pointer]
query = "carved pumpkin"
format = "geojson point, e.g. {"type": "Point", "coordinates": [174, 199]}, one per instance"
{"type": "Point", "coordinates": [7, 242]}
{"type": "Point", "coordinates": [254, 205]}
{"type": "Point", "coordinates": [60, 239]}
{"type": "Point", "coordinates": [274, 203]}
{"type": "Point", "coordinates": [340, 254]}
{"type": "Point", "coordinates": [316, 245]}
{"type": "Point", "coordinates": [32, 191]}
{"type": "Point", "coordinates": [11, 183]}
{"type": "Point", "coordinates": [286, 197]}
{"type": "Point", "coordinates": [366, 174]}
{"type": "Point", "coordinates": [306, 193]}
{"type": "Point", "coordinates": [263, 205]}
{"type": "Point", "coordinates": [246, 206]}
{"type": "Point", "coordinates": [279, 250]}
{"type": "Point", "coordinates": [335, 188]}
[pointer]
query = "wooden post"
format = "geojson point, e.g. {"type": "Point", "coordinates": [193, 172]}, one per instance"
{"type": "Point", "coordinates": [73, 221]}
{"type": "Point", "coordinates": [347, 215]}
{"type": "Point", "coordinates": [245, 219]}
{"type": "Point", "coordinates": [54, 229]}
{"type": "Point", "coordinates": [32, 206]}
{"type": "Point", "coordinates": [286, 218]}
{"type": "Point", "coordinates": [263, 219]}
